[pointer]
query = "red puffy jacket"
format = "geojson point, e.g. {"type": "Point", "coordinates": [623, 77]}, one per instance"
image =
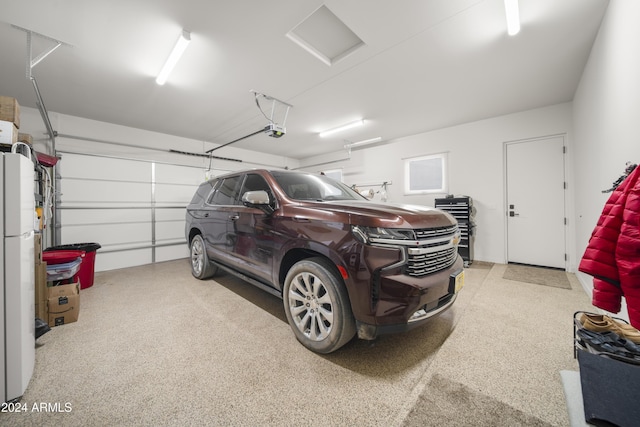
{"type": "Point", "coordinates": [612, 256]}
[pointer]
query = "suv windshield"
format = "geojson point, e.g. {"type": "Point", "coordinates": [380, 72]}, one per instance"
{"type": "Point", "coordinates": [302, 186]}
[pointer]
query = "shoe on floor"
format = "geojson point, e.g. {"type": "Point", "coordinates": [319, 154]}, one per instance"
{"type": "Point", "coordinates": [604, 323]}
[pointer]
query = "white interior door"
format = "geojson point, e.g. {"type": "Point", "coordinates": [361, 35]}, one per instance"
{"type": "Point", "coordinates": [535, 202]}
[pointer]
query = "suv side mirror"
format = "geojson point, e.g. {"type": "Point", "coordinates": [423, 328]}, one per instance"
{"type": "Point", "coordinates": [258, 199]}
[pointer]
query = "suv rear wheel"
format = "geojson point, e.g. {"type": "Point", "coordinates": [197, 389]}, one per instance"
{"type": "Point", "coordinates": [317, 306]}
{"type": "Point", "coordinates": [201, 267]}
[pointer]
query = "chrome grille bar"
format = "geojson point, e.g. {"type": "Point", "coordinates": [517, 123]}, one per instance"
{"type": "Point", "coordinates": [433, 250]}
{"type": "Point", "coordinates": [420, 265]}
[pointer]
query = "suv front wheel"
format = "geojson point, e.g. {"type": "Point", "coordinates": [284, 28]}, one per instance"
{"type": "Point", "coordinates": [317, 306]}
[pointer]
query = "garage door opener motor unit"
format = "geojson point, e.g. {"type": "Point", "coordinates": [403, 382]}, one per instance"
{"type": "Point", "coordinates": [274, 128]}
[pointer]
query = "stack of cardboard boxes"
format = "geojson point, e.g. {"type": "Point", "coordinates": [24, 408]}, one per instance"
{"type": "Point", "coordinates": [10, 122]}
{"type": "Point", "coordinates": [57, 305]}
{"type": "Point", "coordinates": [63, 304]}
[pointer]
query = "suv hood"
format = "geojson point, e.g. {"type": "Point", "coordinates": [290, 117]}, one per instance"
{"type": "Point", "coordinates": [387, 215]}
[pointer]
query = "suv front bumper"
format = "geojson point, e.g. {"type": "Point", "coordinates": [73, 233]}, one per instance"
{"type": "Point", "coordinates": [370, 332]}
{"type": "Point", "coordinates": [406, 303]}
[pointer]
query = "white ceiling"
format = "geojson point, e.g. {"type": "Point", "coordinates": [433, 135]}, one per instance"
{"type": "Point", "coordinates": [426, 64]}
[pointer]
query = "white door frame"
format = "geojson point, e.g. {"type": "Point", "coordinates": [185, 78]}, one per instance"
{"type": "Point", "coordinates": [567, 233]}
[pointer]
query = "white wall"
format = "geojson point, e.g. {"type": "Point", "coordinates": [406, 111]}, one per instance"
{"type": "Point", "coordinates": [476, 166]}
{"type": "Point", "coordinates": [606, 111]}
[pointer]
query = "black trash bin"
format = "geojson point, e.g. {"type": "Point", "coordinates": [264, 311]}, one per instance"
{"type": "Point", "coordinates": [88, 262]}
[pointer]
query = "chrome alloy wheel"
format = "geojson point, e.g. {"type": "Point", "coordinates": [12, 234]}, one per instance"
{"type": "Point", "coordinates": [197, 256]}
{"type": "Point", "coordinates": [311, 306]}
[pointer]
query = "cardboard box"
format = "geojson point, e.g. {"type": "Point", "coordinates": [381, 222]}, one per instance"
{"type": "Point", "coordinates": [25, 137]}
{"type": "Point", "coordinates": [10, 110]}
{"type": "Point", "coordinates": [37, 247]}
{"type": "Point", "coordinates": [8, 133]}
{"type": "Point", "coordinates": [41, 291]}
{"type": "Point", "coordinates": [63, 304]}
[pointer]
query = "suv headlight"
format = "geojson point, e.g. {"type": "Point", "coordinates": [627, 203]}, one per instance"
{"type": "Point", "coordinates": [370, 235]}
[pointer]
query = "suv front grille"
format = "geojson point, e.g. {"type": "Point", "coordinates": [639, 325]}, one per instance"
{"type": "Point", "coordinates": [433, 250]}
{"type": "Point", "coordinates": [435, 253]}
{"type": "Point", "coordinates": [422, 264]}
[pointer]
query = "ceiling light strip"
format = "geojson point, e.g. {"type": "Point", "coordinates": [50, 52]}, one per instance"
{"type": "Point", "coordinates": [174, 57]}
{"type": "Point", "coordinates": [513, 16]}
{"type": "Point", "coordinates": [361, 143]}
{"type": "Point", "coordinates": [347, 126]}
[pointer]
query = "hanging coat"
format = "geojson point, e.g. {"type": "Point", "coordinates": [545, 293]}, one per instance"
{"type": "Point", "coordinates": [612, 256]}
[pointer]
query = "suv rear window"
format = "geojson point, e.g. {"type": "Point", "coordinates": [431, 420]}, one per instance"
{"type": "Point", "coordinates": [227, 192]}
{"type": "Point", "coordinates": [203, 191]}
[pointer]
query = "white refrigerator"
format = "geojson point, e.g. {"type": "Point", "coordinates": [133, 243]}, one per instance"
{"type": "Point", "coordinates": [17, 305]}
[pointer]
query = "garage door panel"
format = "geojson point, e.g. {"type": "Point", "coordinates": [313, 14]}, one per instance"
{"type": "Point", "coordinates": [176, 174]}
{"type": "Point", "coordinates": [170, 230]}
{"type": "Point", "coordinates": [135, 209]}
{"type": "Point", "coordinates": [174, 193]}
{"type": "Point", "coordinates": [170, 214]}
{"type": "Point", "coordinates": [104, 168]}
{"type": "Point", "coordinates": [97, 216]}
{"type": "Point", "coordinates": [130, 258]}
{"type": "Point", "coordinates": [168, 253]}
{"type": "Point", "coordinates": [108, 234]}
{"type": "Point", "coordinates": [76, 191]}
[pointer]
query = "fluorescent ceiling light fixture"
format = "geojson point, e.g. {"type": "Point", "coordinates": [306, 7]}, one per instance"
{"type": "Point", "coordinates": [342, 128]}
{"type": "Point", "coordinates": [513, 16]}
{"type": "Point", "coordinates": [174, 57]}
{"type": "Point", "coordinates": [361, 143]}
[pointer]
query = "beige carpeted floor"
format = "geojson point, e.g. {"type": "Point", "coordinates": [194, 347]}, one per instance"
{"type": "Point", "coordinates": [154, 346]}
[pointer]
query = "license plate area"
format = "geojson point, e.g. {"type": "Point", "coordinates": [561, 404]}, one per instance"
{"type": "Point", "coordinates": [456, 281]}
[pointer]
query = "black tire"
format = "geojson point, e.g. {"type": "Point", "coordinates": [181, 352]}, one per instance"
{"type": "Point", "coordinates": [317, 306]}
{"type": "Point", "coordinates": [201, 267]}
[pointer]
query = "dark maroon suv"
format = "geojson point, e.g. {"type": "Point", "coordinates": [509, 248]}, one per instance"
{"type": "Point", "coordinates": [341, 264]}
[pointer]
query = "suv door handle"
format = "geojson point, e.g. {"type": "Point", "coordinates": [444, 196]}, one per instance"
{"type": "Point", "coordinates": [234, 217]}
